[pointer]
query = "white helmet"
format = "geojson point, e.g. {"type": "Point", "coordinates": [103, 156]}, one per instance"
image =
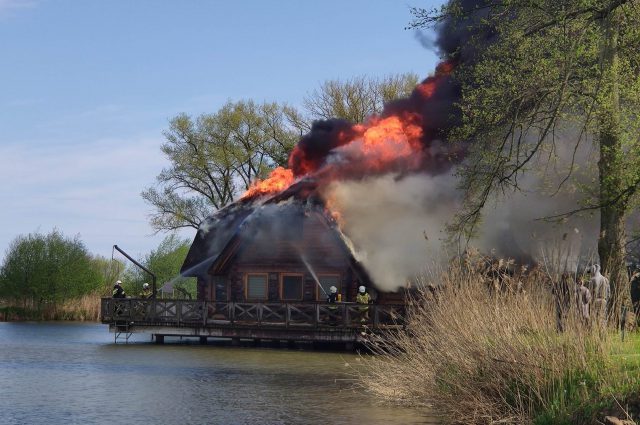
{"type": "Point", "coordinates": [333, 289]}
{"type": "Point", "coordinates": [145, 285]}
{"type": "Point", "coordinates": [361, 289]}
{"type": "Point", "coordinates": [118, 282]}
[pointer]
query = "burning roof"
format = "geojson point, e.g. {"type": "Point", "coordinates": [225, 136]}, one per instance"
{"type": "Point", "coordinates": [225, 230]}
{"type": "Point", "coordinates": [406, 138]}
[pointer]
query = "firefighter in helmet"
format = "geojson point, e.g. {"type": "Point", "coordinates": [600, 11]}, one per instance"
{"type": "Point", "coordinates": [118, 290]}
{"type": "Point", "coordinates": [363, 297]}
{"type": "Point", "coordinates": [146, 291]}
{"type": "Point", "coordinates": [333, 295]}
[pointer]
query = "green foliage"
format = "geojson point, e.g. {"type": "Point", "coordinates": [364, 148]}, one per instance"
{"type": "Point", "coordinates": [47, 269]}
{"type": "Point", "coordinates": [554, 73]}
{"type": "Point", "coordinates": [216, 157]}
{"type": "Point", "coordinates": [109, 270]}
{"type": "Point", "coordinates": [165, 262]}
{"type": "Point", "coordinates": [540, 80]}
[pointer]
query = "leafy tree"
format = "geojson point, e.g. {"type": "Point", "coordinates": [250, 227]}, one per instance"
{"type": "Point", "coordinates": [109, 271]}
{"type": "Point", "coordinates": [165, 262]}
{"type": "Point", "coordinates": [358, 98]}
{"type": "Point", "coordinates": [216, 157]}
{"type": "Point", "coordinates": [531, 69]}
{"type": "Point", "coordinates": [48, 269]}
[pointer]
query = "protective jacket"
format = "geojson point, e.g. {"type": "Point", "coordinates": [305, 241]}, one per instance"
{"type": "Point", "coordinates": [363, 298]}
{"type": "Point", "coordinates": [118, 292]}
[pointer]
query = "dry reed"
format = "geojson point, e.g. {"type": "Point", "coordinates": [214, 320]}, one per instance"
{"type": "Point", "coordinates": [484, 350]}
{"type": "Point", "coordinates": [84, 308]}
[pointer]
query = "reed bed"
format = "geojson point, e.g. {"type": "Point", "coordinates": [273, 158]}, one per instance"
{"type": "Point", "coordinates": [84, 308]}
{"type": "Point", "coordinates": [484, 350]}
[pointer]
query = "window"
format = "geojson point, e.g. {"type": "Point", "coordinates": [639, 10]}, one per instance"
{"type": "Point", "coordinates": [327, 281]}
{"type": "Point", "coordinates": [291, 287]}
{"type": "Point", "coordinates": [220, 288]}
{"type": "Point", "coordinates": [257, 286]}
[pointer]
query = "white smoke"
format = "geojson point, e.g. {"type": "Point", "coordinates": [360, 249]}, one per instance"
{"type": "Point", "coordinates": [398, 224]}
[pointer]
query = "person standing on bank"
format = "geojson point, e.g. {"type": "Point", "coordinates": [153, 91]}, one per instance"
{"type": "Point", "coordinates": [600, 290]}
{"type": "Point", "coordinates": [584, 300]}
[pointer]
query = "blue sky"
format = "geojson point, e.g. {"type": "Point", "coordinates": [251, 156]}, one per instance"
{"type": "Point", "coordinates": [87, 87]}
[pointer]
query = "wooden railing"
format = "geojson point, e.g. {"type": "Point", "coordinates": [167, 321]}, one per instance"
{"type": "Point", "coordinates": [268, 314]}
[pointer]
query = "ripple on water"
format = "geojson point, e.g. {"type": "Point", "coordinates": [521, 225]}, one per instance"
{"type": "Point", "coordinates": [62, 373]}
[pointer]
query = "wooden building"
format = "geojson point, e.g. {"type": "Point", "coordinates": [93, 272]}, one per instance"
{"type": "Point", "coordinates": [290, 251]}
{"type": "Point", "coordinates": [263, 270]}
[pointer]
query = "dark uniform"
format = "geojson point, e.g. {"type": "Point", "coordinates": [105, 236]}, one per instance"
{"type": "Point", "coordinates": [118, 291]}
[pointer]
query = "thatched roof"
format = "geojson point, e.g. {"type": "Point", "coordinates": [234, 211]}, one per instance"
{"type": "Point", "coordinates": [222, 232]}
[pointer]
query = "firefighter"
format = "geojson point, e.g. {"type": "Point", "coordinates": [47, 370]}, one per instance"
{"type": "Point", "coordinates": [118, 290]}
{"type": "Point", "coordinates": [332, 298]}
{"type": "Point", "coordinates": [363, 297]}
{"type": "Point", "coordinates": [333, 295]}
{"type": "Point", "coordinates": [146, 291]}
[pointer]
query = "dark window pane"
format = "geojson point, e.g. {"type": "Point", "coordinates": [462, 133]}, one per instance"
{"type": "Point", "coordinates": [220, 285]}
{"type": "Point", "coordinates": [292, 287]}
{"type": "Point", "coordinates": [257, 287]}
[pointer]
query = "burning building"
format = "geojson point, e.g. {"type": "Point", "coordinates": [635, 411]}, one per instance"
{"type": "Point", "coordinates": [286, 247]}
{"type": "Point", "coordinates": [284, 240]}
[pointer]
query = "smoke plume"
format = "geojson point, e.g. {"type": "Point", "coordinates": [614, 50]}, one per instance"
{"type": "Point", "coordinates": [392, 180]}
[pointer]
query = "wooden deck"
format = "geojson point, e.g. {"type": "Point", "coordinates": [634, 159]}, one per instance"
{"type": "Point", "coordinates": [308, 321]}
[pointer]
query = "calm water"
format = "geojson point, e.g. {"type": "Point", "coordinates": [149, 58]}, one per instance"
{"type": "Point", "coordinates": [68, 373]}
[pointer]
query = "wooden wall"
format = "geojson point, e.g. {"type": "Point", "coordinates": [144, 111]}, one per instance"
{"type": "Point", "coordinates": [275, 247]}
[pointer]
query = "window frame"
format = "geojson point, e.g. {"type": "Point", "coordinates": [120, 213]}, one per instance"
{"type": "Point", "coordinates": [266, 286]}
{"type": "Point", "coordinates": [282, 276]}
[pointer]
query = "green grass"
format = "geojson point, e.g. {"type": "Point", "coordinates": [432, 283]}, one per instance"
{"type": "Point", "coordinates": [582, 396]}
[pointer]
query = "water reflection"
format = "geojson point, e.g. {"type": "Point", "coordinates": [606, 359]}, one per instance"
{"type": "Point", "coordinates": [62, 373]}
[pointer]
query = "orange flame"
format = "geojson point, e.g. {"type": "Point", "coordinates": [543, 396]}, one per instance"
{"type": "Point", "coordinates": [381, 144]}
{"type": "Point", "coordinates": [279, 179]}
{"type": "Point", "coordinates": [392, 138]}
{"type": "Point", "coordinates": [332, 210]}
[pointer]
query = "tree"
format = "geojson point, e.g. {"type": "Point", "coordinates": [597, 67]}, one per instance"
{"type": "Point", "coordinates": [109, 271]}
{"type": "Point", "coordinates": [216, 157]}
{"type": "Point", "coordinates": [48, 268]}
{"type": "Point", "coordinates": [358, 98]}
{"type": "Point", "coordinates": [529, 69]}
{"type": "Point", "coordinates": [165, 262]}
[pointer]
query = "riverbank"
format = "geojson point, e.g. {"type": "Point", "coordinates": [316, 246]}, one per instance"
{"type": "Point", "coordinates": [481, 354]}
